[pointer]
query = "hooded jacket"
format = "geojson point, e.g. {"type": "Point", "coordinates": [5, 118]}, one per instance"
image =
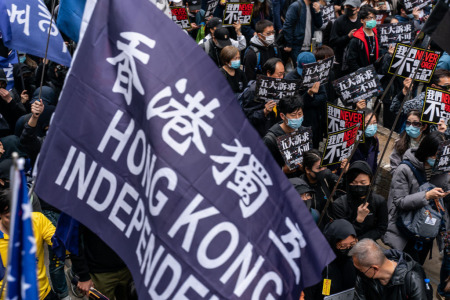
{"type": "Point", "coordinates": [340, 271]}
{"type": "Point", "coordinates": [251, 65]}
{"type": "Point", "coordinates": [407, 282]}
{"type": "Point", "coordinates": [346, 207]}
{"type": "Point", "coordinates": [358, 55]}
{"type": "Point", "coordinates": [404, 195]}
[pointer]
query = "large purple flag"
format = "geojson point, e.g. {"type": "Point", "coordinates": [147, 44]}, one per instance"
{"type": "Point", "coordinates": [150, 150]}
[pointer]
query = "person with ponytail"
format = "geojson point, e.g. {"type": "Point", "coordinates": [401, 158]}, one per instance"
{"type": "Point", "coordinates": [368, 151]}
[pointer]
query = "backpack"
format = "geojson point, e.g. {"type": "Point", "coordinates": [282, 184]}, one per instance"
{"type": "Point", "coordinates": [423, 224]}
{"type": "Point", "coordinates": [258, 67]}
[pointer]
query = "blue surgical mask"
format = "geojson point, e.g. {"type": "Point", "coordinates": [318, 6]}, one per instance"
{"type": "Point", "coordinates": [235, 64]}
{"type": "Point", "coordinates": [412, 131]}
{"type": "Point", "coordinates": [371, 24]}
{"type": "Point", "coordinates": [22, 59]}
{"type": "Point", "coordinates": [431, 161]}
{"type": "Point", "coordinates": [371, 130]}
{"type": "Point", "coordinates": [295, 123]}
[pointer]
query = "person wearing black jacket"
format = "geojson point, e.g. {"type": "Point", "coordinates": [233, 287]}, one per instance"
{"type": "Point", "coordinates": [341, 236]}
{"type": "Point", "coordinates": [220, 39]}
{"type": "Point", "coordinates": [343, 29]}
{"type": "Point", "coordinates": [363, 47]}
{"type": "Point", "coordinates": [389, 274]}
{"type": "Point", "coordinates": [369, 218]}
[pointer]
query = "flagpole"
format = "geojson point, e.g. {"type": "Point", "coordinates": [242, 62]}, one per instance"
{"type": "Point", "coordinates": [46, 50]}
{"type": "Point", "coordinates": [330, 199]}
{"type": "Point", "coordinates": [20, 71]}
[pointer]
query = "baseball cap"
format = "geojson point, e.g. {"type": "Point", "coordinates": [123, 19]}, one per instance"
{"type": "Point", "coordinates": [223, 37]}
{"type": "Point", "coordinates": [353, 3]}
{"type": "Point", "coordinates": [194, 4]}
{"type": "Point", "coordinates": [214, 22]}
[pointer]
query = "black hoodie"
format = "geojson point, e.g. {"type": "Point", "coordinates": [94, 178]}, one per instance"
{"type": "Point", "coordinates": [341, 271]}
{"type": "Point", "coordinates": [375, 224]}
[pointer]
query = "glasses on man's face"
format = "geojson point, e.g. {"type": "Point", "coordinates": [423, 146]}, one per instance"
{"type": "Point", "coordinates": [369, 18]}
{"type": "Point", "coordinates": [268, 33]}
{"type": "Point", "coordinates": [345, 246]}
{"type": "Point", "coordinates": [414, 124]}
{"type": "Point", "coordinates": [444, 87]}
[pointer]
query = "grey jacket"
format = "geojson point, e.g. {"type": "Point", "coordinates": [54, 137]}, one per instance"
{"type": "Point", "coordinates": [404, 195]}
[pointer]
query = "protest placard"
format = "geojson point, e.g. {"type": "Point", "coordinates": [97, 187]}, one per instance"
{"type": "Point", "coordinates": [436, 106]}
{"type": "Point", "coordinates": [340, 118]}
{"type": "Point", "coordinates": [442, 163]}
{"type": "Point", "coordinates": [381, 15]}
{"type": "Point", "coordinates": [328, 14]}
{"type": "Point", "coordinates": [180, 17]}
{"type": "Point", "coordinates": [411, 66]}
{"type": "Point", "coordinates": [394, 33]}
{"type": "Point", "coordinates": [237, 12]}
{"type": "Point", "coordinates": [268, 88]}
{"type": "Point", "coordinates": [339, 146]}
{"type": "Point", "coordinates": [359, 85]}
{"type": "Point", "coordinates": [211, 7]}
{"type": "Point", "coordinates": [419, 4]}
{"type": "Point", "coordinates": [317, 71]}
{"type": "Point", "coordinates": [293, 145]}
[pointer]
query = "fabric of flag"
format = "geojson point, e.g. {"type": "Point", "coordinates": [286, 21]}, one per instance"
{"type": "Point", "coordinates": [28, 27]}
{"type": "Point", "coordinates": [150, 150]}
{"type": "Point", "coordinates": [7, 64]}
{"type": "Point", "coordinates": [69, 19]}
{"type": "Point", "coordinates": [21, 270]}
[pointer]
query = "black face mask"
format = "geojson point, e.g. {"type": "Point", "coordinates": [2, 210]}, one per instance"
{"type": "Point", "coordinates": [322, 174]}
{"type": "Point", "coordinates": [348, 12]}
{"type": "Point", "coordinates": [343, 252]}
{"type": "Point", "coordinates": [358, 191]}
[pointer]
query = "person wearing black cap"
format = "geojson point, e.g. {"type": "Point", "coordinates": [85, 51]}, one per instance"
{"type": "Point", "coordinates": [220, 39]}
{"type": "Point", "coordinates": [307, 194]}
{"type": "Point", "coordinates": [343, 29]}
{"type": "Point", "coordinates": [215, 23]}
{"type": "Point", "coordinates": [341, 236]}
{"type": "Point", "coordinates": [368, 214]}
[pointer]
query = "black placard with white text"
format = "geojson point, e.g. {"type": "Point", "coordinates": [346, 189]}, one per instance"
{"type": "Point", "coordinates": [339, 146]}
{"type": "Point", "coordinates": [293, 145]}
{"type": "Point", "coordinates": [268, 88]}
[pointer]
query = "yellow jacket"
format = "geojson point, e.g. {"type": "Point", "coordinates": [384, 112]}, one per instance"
{"type": "Point", "coordinates": [43, 231]}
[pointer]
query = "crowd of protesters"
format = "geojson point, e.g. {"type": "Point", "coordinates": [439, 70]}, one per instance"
{"type": "Point", "coordinates": [283, 36]}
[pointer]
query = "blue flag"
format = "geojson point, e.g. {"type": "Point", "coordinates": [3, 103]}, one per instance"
{"type": "Point", "coordinates": [7, 65]}
{"type": "Point", "coordinates": [27, 30]}
{"type": "Point", "coordinates": [150, 149]}
{"type": "Point", "coordinates": [21, 270]}
{"type": "Point", "coordinates": [70, 15]}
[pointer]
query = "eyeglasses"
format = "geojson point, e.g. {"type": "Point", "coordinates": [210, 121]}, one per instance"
{"type": "Point", "coordinates": [269, 33]}
{"type": "Point", "coordinates": [367, 271]}
{"type": "Point", "coordinates": [414, 124]}
{"type": "Point", "coordinates": [444, 87]}
{"type": "Point", "coordinates": [344, 246]}
{"type": "Point", "coordinates": [370, 18]}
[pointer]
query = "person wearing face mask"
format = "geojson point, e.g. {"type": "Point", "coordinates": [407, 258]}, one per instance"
{"type": "Point", "coordinates": [260, 50]}
{"type": "Point", "coordinates": [414, 132]}
{"type": "Point", "coordinates": [363, 47]}
{"type": "Point", "coordinates": [220, 39]}
{"type": "Point", "coordinates": [367, 213]}
{"type": "Point", "coordinates": [315, 99]}
{"type": "Point", "coordinates": [231, 61]}
{"type": "Point", "coordinates": [215, 23]}
{"type": "Point", "coordinates": [343, 29]}
{"type": "Point", "coordinates": [261, 115]}
{"type": "Point", "coordinates": [405, 194]}
{"type": "Point", "coordinates": [368, 151]}
{"type": "Point", "coordinates": [307, 194]}
{"type": "Point", "coordinates": [302, 17]}
{"type": "Point", "coordinates": [341, 236]}
{"type": "Point", "coordinates": [321, 179]}
{"type": "Point", "coordinates": [386, 274]}
{"type": "Point", "coordinates": [291, 113]}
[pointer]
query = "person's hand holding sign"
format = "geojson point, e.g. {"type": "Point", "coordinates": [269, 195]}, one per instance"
{"type": "Point", "coordinates": [316, 6]}
{"type": "Point", "coordinates": [314, 89]}
{"type": "Point", "coordinates": [442, 126]}
{"type": "Point", "coordinates": [269, 107]}
{"type": "Point", "coordinates": [361, 104]}
{"type": "Point", "coordinates": [406, 84]}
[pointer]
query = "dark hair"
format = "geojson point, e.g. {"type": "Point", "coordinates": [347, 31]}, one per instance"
{"type": "Point", "coordinates": [290, 104]}
{"type": "Point", "coordinates": [438, 74]}
{"type": "Point", "coordinates": [400, 6]}
{"type": "Point", "coordinates": [5, 201]}
{"type": "Point", "coordinates": [259, 7]}
{"type": "Point", "coordinates": [227, 54]}
{"type": "Point", "coordinates": [368, 111]}
{"type": "Point", "coordinates": [311, 157]}
{"type": "Point", "coordinates": [429, 145]}
{"type": "Point", "coordinates": [404, 143]}
{"type": "Point", "coordinates": [261, 25]}
{"type": "Point", "coordinates": [323, 52]}
{"type": "Point", "coordinates": [270, 65]}
{"type": "Point", "coordinates": [389, 19]}
{"type": "Point", "coordinates": [365, 11]}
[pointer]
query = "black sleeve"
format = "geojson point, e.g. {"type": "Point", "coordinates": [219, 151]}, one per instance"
{"type": "Point", "coordinates": [250, 65]}
{"type": "Point", "coordinates": [353, 55]}
{"type": "Point", "coordinates": [271, 143]}
{"type": "Point", "coordinates": [79, 263]}
{"type": "Point", "coordinates": [337, 38]}
{"type": "Point", "coordinates": [30, 141]}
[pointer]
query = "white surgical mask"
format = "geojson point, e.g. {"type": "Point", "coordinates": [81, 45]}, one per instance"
{"type": "Point", "coordinates": [270, 39]}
